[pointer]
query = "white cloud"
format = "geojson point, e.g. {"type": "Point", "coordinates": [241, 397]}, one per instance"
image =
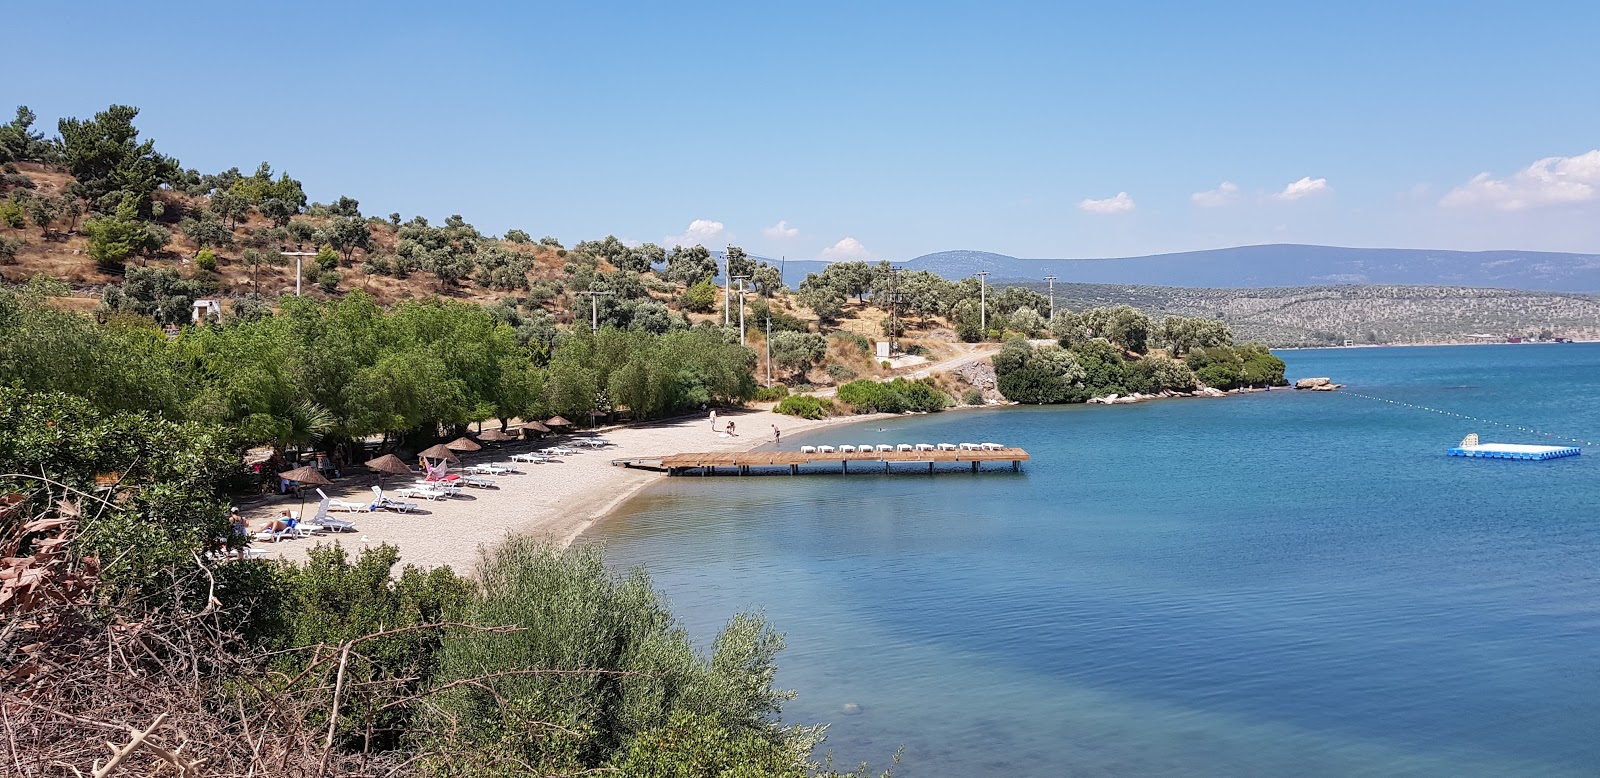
{"type": "Point", "coordinates": [701, 232]}
{"type": "Point", "coordinates": [1122, 203]}
{"type": "Point", "coordinates": [1550, 181]}
{"type": "Point", "coordinates": [1305, 187]}
{"type": "Point", "coordinates": [631, 243]}
{"type": "Point", "coordinates": [781, 230]}
{"type": "Point", "coordinates": [846, 249]}
{"type": "Point", "coordinates": [1225, 194]}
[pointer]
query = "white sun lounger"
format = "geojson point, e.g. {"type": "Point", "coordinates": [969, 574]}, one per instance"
{"type": "Point", "coordinates": [903, 447]}
{"type": "Point", "coordinates": [485, 469]}
{"type": "Point", "coordinates": [560, 451]}
{"type": "Point", "coordinates": [826, 449]}
{"type": "Point", "coordinates": [847, 449]}
{"type": "Point", "coordinates": [530, 458]}
{"type": "Point", "coordinates": [924, 446]}
{"type": "Point", "coordinates": [808, 449]}
{"type": "Point", "coordinates": [322, 521]}
{"type": "Point", "coordinates": [343, 505]}
{"type": "Point", "coordinates": [992, 447]}
{"type": "Point", "coordinates": [397, 506]}
{"type": "Point", "coordinates": [947, 447]}
{"type": "Point", "coordinates": [970, 447]}
{"type": "Point", "coordinates": [423, 491]}
{"type": "Point", "coordinates": [479, 482]}
{"type": "Point", "coordinates": [866, 449]}
{"type": "Point", "coordinates": [882, 447]}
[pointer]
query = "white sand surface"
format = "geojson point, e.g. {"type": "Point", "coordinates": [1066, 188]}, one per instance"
{"type": "Point", "coordinates": [558, 499]}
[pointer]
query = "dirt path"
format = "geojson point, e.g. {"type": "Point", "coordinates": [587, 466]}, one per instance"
{"type": "Point", "coordinates": [970, 352]}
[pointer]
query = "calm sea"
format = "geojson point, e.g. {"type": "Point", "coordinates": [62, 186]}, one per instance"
{"type": "Point", "coordinates": [1287, 583]}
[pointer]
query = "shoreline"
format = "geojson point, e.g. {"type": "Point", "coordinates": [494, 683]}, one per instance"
{"type": "Point", "coordinates": [559, 501]}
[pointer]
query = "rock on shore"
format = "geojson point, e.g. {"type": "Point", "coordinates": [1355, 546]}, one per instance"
{"type": "Point", "coordinates": [1317, 384]}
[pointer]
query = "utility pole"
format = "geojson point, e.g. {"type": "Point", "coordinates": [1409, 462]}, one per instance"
{"type": "Point", "coordinates": [297, 255]}
{"type": "Point", "coordinates": [894, 310]}
{"type": "Point", "coordinates": [727, 285]}
{"type": "Point", "coordinates": [769, 344]}
{"type": "Point", "coordinates": [740, 279]}
{"type": "Point", "coordinates": [1052, 280]}
{"type": "Point", "coordinates": [594, 308]}
{"type": "Point", "coordinates": [983, 302]}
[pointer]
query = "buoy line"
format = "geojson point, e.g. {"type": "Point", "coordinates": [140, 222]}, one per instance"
{"type": "Point", "coordinates": [1442, 412]}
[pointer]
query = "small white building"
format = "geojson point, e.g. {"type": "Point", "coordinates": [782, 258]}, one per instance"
{"type": "Point", "coordinates": [206, 311]}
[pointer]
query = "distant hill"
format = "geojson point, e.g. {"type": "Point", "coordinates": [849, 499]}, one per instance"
{"type": "Point", "coordinates": [1328, 315]}
{"type": "Point", "coordinates": [1281, 265]}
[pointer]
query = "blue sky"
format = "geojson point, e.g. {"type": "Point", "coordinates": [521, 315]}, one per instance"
{"type": "Point", "coordinates": [875, 129]}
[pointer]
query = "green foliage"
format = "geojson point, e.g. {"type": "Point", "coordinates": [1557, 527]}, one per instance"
{"type": "Point", "coordinates": [690, 266]}
{"type": "Point", "coordinates": [206, 260]}
{"type": "Point", "coordinates": [206, 230]}
{"type": "Point", "coordinates": [804, 406]}
{"type": "Point", "coordinates": [797, 351]}
{"type": "Point", "coordinates": [651, 375]}
{"type": "Point", "coordinates": [1157, 373]}
{"type": "Point", "coordinates": [767, 394]}
{"type": "Point", "coordinates": [19, 142]}
{"type": "Point", "coordinates": [1181, 334]}
{"type": "Point", "coordinates": [115, 367]}
{"type": "Point", "coordinates": [840, 372]}
{"type": "Point", "coordinates": [159, 293]}
{"type": "Point", "coordinates": [700, 297]}
{"type": "Point", "coordinates": [106, 157]}
{"type": "Point", "coordinates": [173, 477]}
{"type": "Point", "coordinates": [1122, 325]}
{"type": "Point", "coordinates": [329, 280]}
{"type": "Point", "coordinates": [1039, 375]}
{"type": "Point", "coordinates": [759, 312]}
{"type": "Point", "coordinates": [518, 236]}
{"type": "Point", "coordinates": [9, 248]}
{"type": "Point", "coordinates": [824, 297]}
{"type": "Point", "coordinates": [697, 746]}
{"type": "Point", "coordinates": [630, 665]}
{"type": "Point", "coordinates": [113, 239]}
{"type": "Point", "coordinates": [1230, 367]}
{"type": "Point", "coordinates": [326, 258]}
{"type": "Point", "coordinates": [331, 599]}
{"type": "Point", "coordinates": [897, 396]}
{"type": "Point", "coordinates": [972, 396]}
{"type": "Point", "coordinates": [1026, 321]}
{"type": "Point", "coordinates": [11, 214]}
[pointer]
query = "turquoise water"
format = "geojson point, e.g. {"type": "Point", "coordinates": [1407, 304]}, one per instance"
{"type": "Point", "coordinates": [1287, 583]}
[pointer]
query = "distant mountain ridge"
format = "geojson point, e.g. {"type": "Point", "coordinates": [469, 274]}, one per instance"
{"type": "Point", "coordinates": [1279, 265]}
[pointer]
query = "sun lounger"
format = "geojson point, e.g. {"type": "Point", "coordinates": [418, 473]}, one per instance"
{"type": "Point", "coordinates": [425, 492]}
{"type": "Point", "coordinates": [484, 469]}
{"type": "Point", "coordinates": [866, 449]}
{"type": "Point", "coordinates": [947, 447]}
{"type": "Point", "coordinates": [883, 447]}
{"type": "Point", "coordinates": [924, 446]}
{"type": "Point", "coordinates": [992, 446]}
{"type": "Point", "coordinates": [970, 447]}
{"type": "Point", "coordinates": [847, 449]}
{"type": "Point", "coordinates": [903, 447]}
{"type": "Point", "coordinates": [808, 449]}
{"type": "Point", "coordinates": [479, 481]}
{"type": "Point", "coordinates": [560, 451]}
{"type": "Point", "coordinates": [530, 458]}
{"type": "Point", "coordinates": [322, 521]}
{"type": "Point", "coordinates": [343, 505]}
{"type": "Point", "coordinates": [398, 506]}
{"type": "Point", "coordinates": [825, 449]}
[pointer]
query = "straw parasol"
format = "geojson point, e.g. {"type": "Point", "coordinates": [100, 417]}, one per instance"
{"type": "Point", "coordinates": [557, 421]}
{"type": "Point", "coordinates": [536, 426]}
{"type": "Point", "coordinates": [494, 436]}
{"type": "Point", "coordinates": [440, 451]}
{"type": "Point", "coordinates": [390, 464]}
{"type": "Point", "coordinates": [463, 444]}
{"type": "Point", "coordinates": [304, 476]}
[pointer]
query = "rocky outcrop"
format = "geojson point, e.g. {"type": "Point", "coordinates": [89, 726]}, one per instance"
{"type": "Point", "coordinates": [979, 374]}
{"type": "Point", "coordinates": [1317, 384]}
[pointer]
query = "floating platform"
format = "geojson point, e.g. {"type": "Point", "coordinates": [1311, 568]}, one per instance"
{"type": "Point", "coordinates": [748, 462]}
{"type": "Point", "coordinates": [1514, 451]}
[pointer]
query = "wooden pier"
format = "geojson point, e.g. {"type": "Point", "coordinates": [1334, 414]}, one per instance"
{"type": "Point", "coordinates": [748, 462]}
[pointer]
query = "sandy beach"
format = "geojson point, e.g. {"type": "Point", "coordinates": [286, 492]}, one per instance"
{"type": "Point", "coordinates": [559, 500]}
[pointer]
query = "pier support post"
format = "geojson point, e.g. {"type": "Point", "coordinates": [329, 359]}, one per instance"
{"type": "Point", "coordinates": [930, 468]}
{"type": "Point", "coordinates": [844, 466]}
{"type": "Point", "coordinates": [885, 465]}
{"type": "Point", "coordinates": [974, 466]}
{"type": "Point", "coordinates": [1016, 465]}
{"type": "Point", "coordinates": [794, 470]}
{"type": "Point", "coordinates": [713, 469]}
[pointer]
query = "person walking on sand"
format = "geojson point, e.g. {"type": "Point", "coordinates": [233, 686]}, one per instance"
{"type": "Point", "coordinates": [713, 419]}
{"type": "Point", "coordinates": [777, 436]}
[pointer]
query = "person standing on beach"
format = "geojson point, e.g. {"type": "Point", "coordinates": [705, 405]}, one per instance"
{"type": "Point", "coordinates": [777, 435]}
{"type": "Point", "coordinates": [713, 419]}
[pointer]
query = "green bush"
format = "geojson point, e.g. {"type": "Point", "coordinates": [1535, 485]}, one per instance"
{"type": "Point", "coordinates": [805, 406]}
{"type": "Point", "coordinates": [897, 396]}
{"type": "Point", "coordinates": [329, 280]}
{"type": "Point", "coordinates": [767, 394]}
{"type": "Point", "coordinates": [629, 666]}
{"type": "Point", "coordinates": [972, 397]}
{"type": "Point", "coordinates": [855, 340]}
{"type": "Point", "coordinates": [699, 298]}
{"type": "Point", "coordinates": [11, 214]}
{"type": "Point", "coordinates": [840, 372]}
{"type": "Point", "coordinates": [206, 260]}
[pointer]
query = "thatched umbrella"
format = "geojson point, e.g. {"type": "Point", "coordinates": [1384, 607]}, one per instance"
{"type": "Point", "coordinates": [388, 463]}
{"type": "Point", "coordinates": [494, 436]}
{"type": "Point", "coordinates": [440, 451]}
{"type": "Point", "coordinates": [304, 476]}
{"type": "Point", "coordinates": [536, 426]}
{"type": "Point", "coordinates": [557, 421]}
{"type": "Point", "coordinates": [463, 444]}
